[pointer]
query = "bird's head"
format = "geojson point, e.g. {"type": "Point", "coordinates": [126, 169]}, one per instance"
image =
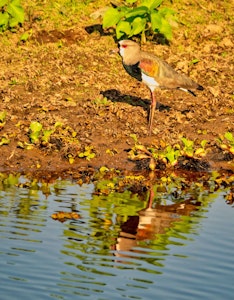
{"type": "Point", "coordinates": [130, 51]}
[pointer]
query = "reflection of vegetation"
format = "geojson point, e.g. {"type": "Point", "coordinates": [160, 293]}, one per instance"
{"type": "Point", "coordinates": [164, 221]}
{"type": "Point", "coordinates": [121, 220]}
{"type": "Point", "coordinates": [173, 184]}
{"type": "Point", "coordinates": [8, 180]}
{"type": "Point", "coordinates": [127, 213]}
{"type": "Point", "coordinates": [64, 216]}
{"type": "Point", "coordinates": [131, 214]}
{"type": "Point", "coordinates": [25, 194]}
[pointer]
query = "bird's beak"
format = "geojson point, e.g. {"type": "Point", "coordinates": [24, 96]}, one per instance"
{"type": "Point", "coordinates": [114, 51]}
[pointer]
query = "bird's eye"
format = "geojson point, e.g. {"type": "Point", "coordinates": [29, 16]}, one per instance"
{"type": "Point", "coordinates": [124, 46]}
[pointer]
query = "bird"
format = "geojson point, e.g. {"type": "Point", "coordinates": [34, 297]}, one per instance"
{"type": "Point", "coordinates": [153, 72]}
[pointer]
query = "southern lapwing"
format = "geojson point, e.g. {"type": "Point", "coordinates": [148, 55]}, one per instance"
{"type": "Point", "coordinates": [154, 72]}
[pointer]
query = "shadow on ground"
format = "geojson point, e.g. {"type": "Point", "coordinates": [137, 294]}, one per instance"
{"type": "Point", "coordinates": [117, 96]}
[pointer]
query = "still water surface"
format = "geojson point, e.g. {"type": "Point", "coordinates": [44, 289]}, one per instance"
{"type": "Point", "coordinates": [118, 249]}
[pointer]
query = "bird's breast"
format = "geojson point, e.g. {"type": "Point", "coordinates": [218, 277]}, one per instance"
{"type": "Point", "coordinates": [133, 70]}
{"type": "Point", "coordinates": [150, 82]}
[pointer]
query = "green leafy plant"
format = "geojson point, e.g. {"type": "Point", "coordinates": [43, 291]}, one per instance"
{"type": "Point", "coordinates": [26, 35]}
{"type": "Point", "coordinates": [11, 14]}
{"type": "Point", "coordinates": [88, 153]}
{"type": "Point", "coordinates": [139, 18]}
{"type": "Point", "coordinates": [57, 138]}
{"type": "Point", "coordinates": [2, 119]}
{"type": "Point", "coordinates": [35, 131]}
{"type": "Point", "coordinates": [38, 135]}
{"type": "Point", "coordinates": [226, 142]}
{"type": "Point", "coordinates": [4, 140]}
{"type": "Point", "coordinates": [189, 149]}
{"type": "Point", "coordinates": [167, 154]}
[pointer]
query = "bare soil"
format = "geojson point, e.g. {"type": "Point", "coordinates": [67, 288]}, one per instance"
{"type": "Point", "coordinates": [68, 75]}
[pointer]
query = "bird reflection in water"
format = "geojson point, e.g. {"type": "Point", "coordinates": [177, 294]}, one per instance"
{"type": "Point", "coordinates": [154, 220]}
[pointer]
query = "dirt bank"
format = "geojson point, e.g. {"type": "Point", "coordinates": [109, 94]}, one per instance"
{"type": "Point", "coordinates": [66, 80]}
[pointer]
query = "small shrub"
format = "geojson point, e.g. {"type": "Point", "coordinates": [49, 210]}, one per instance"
{"type": "Point", "coordinates": [139, 18]}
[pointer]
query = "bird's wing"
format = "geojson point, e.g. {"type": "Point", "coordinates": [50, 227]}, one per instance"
{"type": "Point", "coordinates": [149, 67]}
{"type": "Point", "coordinates": [164, 74]}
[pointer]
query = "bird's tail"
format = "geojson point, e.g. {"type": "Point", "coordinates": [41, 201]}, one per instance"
{"type": "Point", "coordinates": [199, 87]}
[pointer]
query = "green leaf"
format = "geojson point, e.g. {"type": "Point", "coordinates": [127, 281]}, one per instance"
{"type": "Point", "coordinates": [134, 137]}
{"type": "Point", "coordinates": [200, 152]}
{"type": "Point", "coordinates": [151, 4]}
{"type": "Point", "coordinates": [4, 17]}
{"type": "Point", "coordinates": [160, 21]}
{"type": "Point", "coordinates": [131, 1]}
{"type": "Point", "coordinates": [35, 126]}
{"type": "Point", "coordinates": [189, 153]}
{"type": "Point", "coordinates": [111, 17]}
{"type": "Point", "coordinates": [194, 61]}
{"type": "Point", "coordinates": [203, 143]}
{"type": "Point", "coordinates": [2, 116]}
{"type": "Point", "coordinates": [156, 21]}
{"type": "Point", "coordinates": [187, 143]}
{"type": "Point", "coordinates": [58, 124]}
{"type": "Point", "coordinates": [166, 12]}
{"type": "Point", "coordinates": [228, 135]}
{"type": "Point", "coordinates": [24, 37]}
{"type": "Point", "coordinates": [46, 135]}
{"type": "Point", "coordinates": [13, 22]}
{"type": "Point", "coordinates": [166, 30]}
{"type": "Point", "coordinates": [3, 2]}
{"type": "Point", "coordinates": [170, 156]}
{"type": "Point", "coordinates": [122, 28]}
{"type": "Point", "coordinates": [16, 11]}
{"type": "Point", "coordinates": [138, 25]}
{"type": "Point", "coordinates": [71, 160]}
{"type": "Point", "coordinates": [17, 2]}
{"type": "Point", "coordinates": [34, 136]}
{"type": "Point", "coordinates": [4, 141]}
{"type": "Point", "coordinates": [139, 11]}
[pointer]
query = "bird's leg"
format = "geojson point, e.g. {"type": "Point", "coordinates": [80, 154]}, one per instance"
{"type": "Point", "coordinates": [151, 198]}
{"type": "Point", "coordinates": [152, 110]}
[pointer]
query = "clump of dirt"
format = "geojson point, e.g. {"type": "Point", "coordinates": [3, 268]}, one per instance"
{"type": "Point", "coordinates": [69, 77]}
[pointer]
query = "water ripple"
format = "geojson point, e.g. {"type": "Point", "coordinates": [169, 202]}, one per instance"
{"type": "Point", "coordinates": [117, 249]}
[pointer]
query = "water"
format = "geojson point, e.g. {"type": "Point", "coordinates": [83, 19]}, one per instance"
{"type": "Point", "coordinates": [119, 248]}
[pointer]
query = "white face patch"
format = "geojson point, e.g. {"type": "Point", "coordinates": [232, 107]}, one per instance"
{"type": "Point", "coordinates": [150, 82]}
{"type": "Point", "coordinates": [121, 51]}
